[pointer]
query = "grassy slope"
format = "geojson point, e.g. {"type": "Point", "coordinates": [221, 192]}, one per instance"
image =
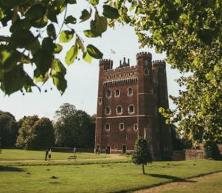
{"type": "Point", "coordinates": [97, 178]}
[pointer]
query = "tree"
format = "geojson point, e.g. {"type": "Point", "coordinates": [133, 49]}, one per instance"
{"type": "Point", "coordinates": [43, 134]}
{"type": "Point", "coordinates": [35, 30]}
{"type": "Point", "coordinates": [8, 129]}
{"type": "Point", "coordinates": [73, 128]}
{"type": "Point", "coordinates": [190, 34]}
{"type": "Point", "coordinates": [35, 133]}
{"type": "Point", "coordinates": [142, 154]}
{"type": "Point", "coordinates": [25, 132]}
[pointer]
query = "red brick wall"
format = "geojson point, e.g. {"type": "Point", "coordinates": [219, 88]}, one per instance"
{"type": "Point", "coordinates": [145, 106]}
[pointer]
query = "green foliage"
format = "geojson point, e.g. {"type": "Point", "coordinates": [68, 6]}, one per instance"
{"type": "Point", "coordinates": [212, 151]}
{"type": "Point", "coordinates": [141, 154]}
{"type": "Point", "coordinates": [110, 12]}
{"type": "Point", "coordinates": [85, 15]}
{"type": "Point", "coordinates": [94, 52]}
{"type": "Point", "coordinates": [25, 132]}
{"type": "Point", "coordinates": [73, 128]}
{"type": "Point", "coordinates": [190, 34]}
{"type": "Point", "coordinates": [72, 54]}
{"type": "Point", "coordinates": [35, 133]}
{"type": "Point", "coordinates": [8, 129]}
{"type": "Point", "coordinates": [66, 36]}
{"type": "Point", "coordinates": [27, 42]}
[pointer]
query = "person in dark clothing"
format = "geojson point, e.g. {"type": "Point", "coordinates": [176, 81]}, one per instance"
{"type": "Point", "coordinates": [46, 154]}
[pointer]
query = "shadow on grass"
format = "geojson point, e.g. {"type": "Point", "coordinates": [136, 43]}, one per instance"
{"type": "Point", "coordinates": [173, 178]}
{"type": "Point", "coordinates": [10, 169]}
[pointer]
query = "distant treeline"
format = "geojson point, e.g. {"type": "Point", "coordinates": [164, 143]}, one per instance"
{"type": "Point", "coordinates": [70, 128]}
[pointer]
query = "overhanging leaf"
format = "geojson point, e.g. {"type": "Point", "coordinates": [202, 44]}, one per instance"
{"type": "Point", "coordinates": [98, 25]}
{"type": "Point", "coordinates": [70, 20]}
{"type": "Point", "coordinates": [72, 54]}
{"type": "Point", "coordinates": [66, 36]}
{"type": "Point", "coordinates": [110, 12]}
{"type": "Point", "coordinates": [51, 31]}
{"type": "Point", "coordinates": [85, 15]}
{"type": "Point", "coordinates": [94, 52]}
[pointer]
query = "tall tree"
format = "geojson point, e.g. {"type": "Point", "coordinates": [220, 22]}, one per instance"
{"type": "Point", "coordinates": [25, 132]}
{"type": "Point", "coordinates": [73, 128]}
{"type": "Point", "coordinates": [190, 34]}
{"type": "Point", "coordinates": [35, 133]}
{"type": "Point", "coordinates": [142, 154]}
{"type": "Point", "coordinates": [43, 134]}
{"type": "Point", "coordinates": [8, 129]}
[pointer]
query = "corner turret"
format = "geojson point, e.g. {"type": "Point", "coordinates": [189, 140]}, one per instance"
{"type": "Point", "coordinates": [144, 58]}
{"type": "Point", "coordinates": [106, 64]}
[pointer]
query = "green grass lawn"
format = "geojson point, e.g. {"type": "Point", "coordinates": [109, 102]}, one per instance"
{"type": "Point", "coordinates": [206, 184]}
{"type": "Point", "coordinates": [17, 154]}
{"type": "Point", "coordinates": [95, 178]}
{"type": "Point", "coordinates": [28, 157]}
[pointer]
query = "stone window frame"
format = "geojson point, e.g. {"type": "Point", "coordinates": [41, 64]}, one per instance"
{"type": "Point", "coordinates": [128, 93]}
{"type": "Point", "coordinates": [107, 127]}
{"type": "Point", "coordinates": [108, 113]}
{"type": "Point", "coordinates": [133, 112]}
{"type": "Point", "coordinates": [108, 95]}
{"type": "Point", "coordinates": [119, 113]}
{"type": "Point", "coordinates": [115, 95]}
{"type": "Point", "coordinates": [135, 127]}
{"type": "Point", "coordinates": [121, 126]}
{"type": "Point", "coordinates": [100, 100]}
{"type": "Point", "coordinates": [146, 72]}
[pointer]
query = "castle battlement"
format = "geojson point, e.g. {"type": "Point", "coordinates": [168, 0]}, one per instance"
{"type": "Point", "coordinates": [158, 63]}
{"type": "Point", "coordinates": [144, 55]}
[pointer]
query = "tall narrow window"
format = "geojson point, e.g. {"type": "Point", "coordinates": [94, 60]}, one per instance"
{"type": "Point", "coordinates": [135, 127]}
{"type": "Point", "coordinates": [100, 101]}
{"type": "Point", "coordinates": [130, 92]}
{"type": "Point", "coordinates": [117, 93]}
{"type": "Point", "coordinates": [131, 109]}
{"type": "Point", "coordinates": [119, 110]}
{"type": "Point", "coordinates": [107, 110]}
{"type": "Point", "coordinates": [108, 93]}
{"type": "Point", "coordinates": [121, 126]}
{"type": "Point", "coordinates": [107, 127]}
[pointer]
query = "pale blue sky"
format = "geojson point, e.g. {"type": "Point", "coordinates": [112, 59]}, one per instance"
{"type": "Point", "coordinates": [82, 79]}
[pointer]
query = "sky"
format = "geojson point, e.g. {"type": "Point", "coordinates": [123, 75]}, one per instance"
{"type": "Point", "coordinates": [82, 78]}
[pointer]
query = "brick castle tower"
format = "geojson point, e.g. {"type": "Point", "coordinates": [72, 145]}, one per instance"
{"type": "Point", "coordinates": [127, 107]}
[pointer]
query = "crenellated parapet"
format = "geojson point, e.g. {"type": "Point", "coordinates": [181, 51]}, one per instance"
{"type": "Point", "coordinates": [144, 55]}
{"type": "Point", "coordinates": [159, 64]}
{"type": "Point", "coordinates": [106, 63]}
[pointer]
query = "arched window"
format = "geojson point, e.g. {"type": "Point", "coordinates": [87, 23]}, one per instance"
{"type": "Point", "coordinates": [146, 71]}
{"type": "Point", "coordinates": [107, 110]}
{"type": "Point", "coordinates": [121, 126]}
{"type": "Point", "coordinates": [130, 92]}
{"type": "Point", "coordinates": [107, 127]}
{"type": "Point", "coordinates": [131, 109]}
{"type": "Point", "coordinates": [117, 93]}
{"type": "Point", "coordinates": [100, 101]}
{"type": "Point", "coordinates": [108, 93]}
{"type": "Point", "coordinates": [135, 127]}
{"type": "Point", "coordinates": [119, 110]}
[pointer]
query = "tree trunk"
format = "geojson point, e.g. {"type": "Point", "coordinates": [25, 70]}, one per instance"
{"type": "Point", "coordinates": [143, 168]}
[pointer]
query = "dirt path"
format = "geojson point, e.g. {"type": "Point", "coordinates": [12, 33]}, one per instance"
{"type": "Point", "coordinates": [182, 185]}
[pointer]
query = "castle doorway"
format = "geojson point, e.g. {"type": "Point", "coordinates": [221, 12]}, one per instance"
{"type": "Point", "coordinates": [124, 149]}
